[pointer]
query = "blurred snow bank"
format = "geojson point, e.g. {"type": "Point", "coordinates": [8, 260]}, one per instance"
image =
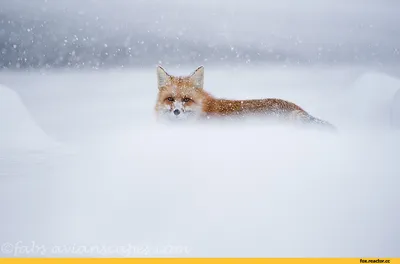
{"type": "Point", "coordinates": [19, 131]}
{"type": "Point", "coordinates": [368, 101]}
{"type": "Point", "coordinates": [395, 111]}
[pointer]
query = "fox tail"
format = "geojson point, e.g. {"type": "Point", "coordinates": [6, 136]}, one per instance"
{"type": "Point", "coordinates": [311, 120]}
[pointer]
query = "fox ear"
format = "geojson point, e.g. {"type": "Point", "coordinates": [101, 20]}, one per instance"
{"type": "Point", "coordinates": [198, 77]}
{"type": "Point", "coordinates": [162, 76]}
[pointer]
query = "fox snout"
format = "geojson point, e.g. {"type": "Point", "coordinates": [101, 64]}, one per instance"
{"type": "Point", "coordinates": [177, 107]}
{"type": "Point", "coordinates": [178, 110]}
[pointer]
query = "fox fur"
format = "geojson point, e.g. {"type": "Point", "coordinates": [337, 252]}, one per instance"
{"type": "Point", "coordinates": [183, 97]}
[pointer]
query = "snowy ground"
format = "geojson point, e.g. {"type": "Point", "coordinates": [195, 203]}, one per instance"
{"type": "Point", "coordinates": [86, 171]}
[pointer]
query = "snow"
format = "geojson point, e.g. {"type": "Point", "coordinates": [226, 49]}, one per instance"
{"type": "Point", "coordinates": [395, 110]}
{"type": "Point", "coordinates": [18, 127]}
{"type": "Point", "coordinates": [370, 98]}
{"type": "Point", "coordinates": [135, 188]}
{"type": "Point", "coordinates": [100, 34]}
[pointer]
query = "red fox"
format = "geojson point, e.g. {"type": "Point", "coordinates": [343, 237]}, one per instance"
{"type": "Point", "coordinates": [182, 98]}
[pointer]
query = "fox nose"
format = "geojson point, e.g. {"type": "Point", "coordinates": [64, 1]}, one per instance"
{"type": "Point", "coordinates": [177, 112]}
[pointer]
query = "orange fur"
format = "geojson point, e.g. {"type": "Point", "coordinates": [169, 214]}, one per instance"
{"type": "Point", "coordinates": [187, 96]}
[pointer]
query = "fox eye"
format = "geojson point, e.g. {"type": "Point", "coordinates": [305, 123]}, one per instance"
{"type": "Point", "coordinates": [171, 99]}
{"type": "Point", "coordinates": [186, 99]}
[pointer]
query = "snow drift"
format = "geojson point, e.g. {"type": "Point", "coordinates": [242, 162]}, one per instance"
{"type": "Point", "coordinates": [18, 128]}
{"type": "Point", "coordinates": [136, 188]}
{"type": "Point", "coordinates": [395, 110]}
{"type": "Point", "coordinates": [368, 101]}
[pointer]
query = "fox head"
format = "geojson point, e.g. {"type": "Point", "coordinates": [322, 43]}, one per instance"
{"type": "Point", "coordinates": [180, 97]}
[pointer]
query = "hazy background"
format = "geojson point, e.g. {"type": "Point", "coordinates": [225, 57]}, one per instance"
{"type": "Point", "coordinates": [86, 171]}
{"type": "Point", "coordinates": [121, 33]}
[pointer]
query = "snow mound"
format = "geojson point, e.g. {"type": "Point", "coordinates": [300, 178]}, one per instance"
{"type": "Point", "coordinates": [395, 111]}
{"type": "Point", "coordinates": [369, 99]}
{"type": "Point", "coordinates": [19, 131]}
